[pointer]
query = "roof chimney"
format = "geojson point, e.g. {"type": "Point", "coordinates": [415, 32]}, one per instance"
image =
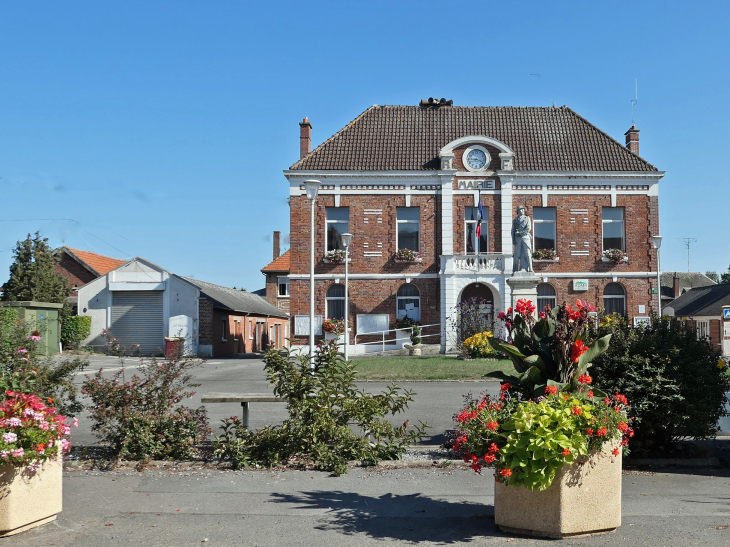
{"type": "Point", "coordinates": [277, 244]}
{"type": "Point", "coordinates": [632, 139]}
{"type": "Point", "coordinates": [676, 285]}
{"type": "Point", "coordinates": [305, 138]}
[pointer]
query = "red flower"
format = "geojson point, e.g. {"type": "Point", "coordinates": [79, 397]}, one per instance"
{"type": "Point", "coordinates": [493, 448]}
{"type": "Point", "coordinates": [565, 397]}
{"type": "Point", "coordinates": [566, 452]}
{"type": "Point", "coordinates": [505, 386]}
{"type": "Point", "coordinates": [621, 399]}
{"type": "Point", "coordinates": [489, 458]}
{"type": "Point", "coordinates": [601, 432]}
{"type": "Point", "coordinates": [615, 452]}
{"type": "Point", "coordinates": [506, 472]}
{"type": "Point", "coordinates": [491, 425]}
{"type": "Point", "coordinates": [607, 401]}
{"type": "Point", "coordinates": [551, 390]}
{"type": "Point", "coordinates": [584, 379]}
{"type": "Point", "coordinates": [625, 441]}
{"type": "Point", "coordinates": [589, 432]}
{"type": "Point", "coordinates": [577, 411]}
{"type": "Point", "coordinates": [578, 349]}
{"type": "Point", "coordinates": [617, 409]}
{"type": "Point", "coordinates": [585, 305]}
{"type": "Point", "coordinates": [623, 426]}
{"type": "Point", "coordinates": [590, 394]}
{"type": "Point", "coordinates": [41, 447]}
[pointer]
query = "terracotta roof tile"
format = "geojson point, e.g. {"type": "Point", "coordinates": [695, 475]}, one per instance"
{"type": "Point", "coordinates": [280, 264]}
{"type": "Point", "coordinates": [100, 263]}
{"type": "Point", "coordinates": [386, 138]}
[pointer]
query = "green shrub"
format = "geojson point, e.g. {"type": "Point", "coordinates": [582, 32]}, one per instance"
{"type": "Point", "coordinates": [22, 369]}
{"type": "Point", "coordinates": [74, 329]}
{"type": "Point", "coordinates": [322, 405]}
{"type": "Point", "coordinates": [672, 379]}
{"type": "Point", "coordinates": [142, 419]}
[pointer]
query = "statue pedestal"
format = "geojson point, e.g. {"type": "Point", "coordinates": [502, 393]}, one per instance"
{"type": "Point", "coordinates": [523, 285]}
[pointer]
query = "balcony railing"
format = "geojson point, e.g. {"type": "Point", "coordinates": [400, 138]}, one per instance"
{"type": "Point", "coordinates": [486, 263]}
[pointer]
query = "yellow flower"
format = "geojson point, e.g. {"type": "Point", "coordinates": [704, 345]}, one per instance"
{"type": "Point", "coordinates": [721, 364]}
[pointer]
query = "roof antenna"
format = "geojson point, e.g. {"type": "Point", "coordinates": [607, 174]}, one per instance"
{"type": "Point", "coordinates": [687, 242]}
{"type": "Point", "coordinates": [634, 101]}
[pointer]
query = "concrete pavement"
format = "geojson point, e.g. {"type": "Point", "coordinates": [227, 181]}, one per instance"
{"type": "Point", "coordinates": [365, 507]}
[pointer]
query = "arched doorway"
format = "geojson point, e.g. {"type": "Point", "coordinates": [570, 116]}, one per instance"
{"type": "Point", "coordinates": [475, 311]}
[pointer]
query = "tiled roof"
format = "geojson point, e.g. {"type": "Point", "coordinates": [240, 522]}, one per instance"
{"type": "Point", "coordinates": [235, 300]}
{"type": "Point", "coordinates": [280, 264]}
{"type": "Point", "coordinates": [687, 280]}
{"type": "Point", "coordinates": [386, 138]}
{"type": "Point", "coordinates": [702, 301]}
{"type": "Point", "coordinates": [99, 263]}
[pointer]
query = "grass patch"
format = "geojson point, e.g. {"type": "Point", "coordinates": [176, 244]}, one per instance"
{"type": "Point", "coordinates": [428, 368]}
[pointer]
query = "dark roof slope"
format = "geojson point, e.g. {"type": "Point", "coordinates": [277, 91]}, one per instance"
{"type": "Point", "coordinates": [386, 138]}
{"type": "Point", "coordinates": [687, 280]}
{"type": "Point", "coordinates": [235, 300]}
{"type": "Point", "coordinates": [702, 301]}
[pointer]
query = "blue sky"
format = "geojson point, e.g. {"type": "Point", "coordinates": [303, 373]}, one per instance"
{"type": "Point", "coordinates": [161, 129]}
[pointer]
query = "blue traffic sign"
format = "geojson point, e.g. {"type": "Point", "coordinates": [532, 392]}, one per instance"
{"type": "Point", "coordinates": [726, 314]}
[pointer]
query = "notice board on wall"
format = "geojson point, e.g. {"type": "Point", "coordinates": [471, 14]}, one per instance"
{"type": "Point", "coordinates": [372, 322]}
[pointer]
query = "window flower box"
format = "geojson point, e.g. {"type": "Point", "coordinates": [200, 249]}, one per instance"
{"type": "Point", "coordinates": [544, 255]}
{"type": "Point", "coordinates": [335, 257]}
{"type": "Point", "coordinates": [407, 256]}
{"type": "Point", "coordinates": [546, 260]}
{"type": "Point", "coordinates": [617, 256]}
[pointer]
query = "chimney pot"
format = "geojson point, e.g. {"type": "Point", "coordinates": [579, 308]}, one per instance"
{"type": "Point", "coordinates": [277, 243]}
{"type": "Point", "coordinates": [632, 139]}
{"type": "Point", "coordinates": [305, 138]}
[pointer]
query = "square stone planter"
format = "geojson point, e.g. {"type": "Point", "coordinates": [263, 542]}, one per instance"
{"type": "Point", "coordinates": [338, 339]}
{"type": "Point", "coordinates": [27, 501]}
{"type": "Point", "coordinates": [582, 500]}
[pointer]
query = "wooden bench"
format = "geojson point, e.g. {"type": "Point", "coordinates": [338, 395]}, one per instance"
{"type": "Point", "coordinates": [244, 398]}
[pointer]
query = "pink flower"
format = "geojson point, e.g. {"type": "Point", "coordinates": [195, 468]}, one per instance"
{"type": "Point", "coordinates": [18, 453]}
{"type": "Point", "coordinates": [21, 350]}
{"type": "Point", "coordinates": [65, 445]}
{"type": "Point", "coordinates": [44, 425]}
{"type": "Point", "coordinates": [76, 422]}
{"type": "Point", "coordinates": [10, 437]}
{"type": "Point", "coordinates": [4, 454]}
{"type": "Point", "coordinates": [28, 412]}
{"type": "Point", "coordinates": [14, 422]}
{"type": "Point", "coordinates": [66, 430]}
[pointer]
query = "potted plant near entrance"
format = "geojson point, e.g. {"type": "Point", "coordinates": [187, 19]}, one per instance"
{"type": "Point", "coordinates": [33, 437]}
{"type": "Point", "coordinates": [334, 329]}
{"type": "Point", "coordinates": [554, 440]}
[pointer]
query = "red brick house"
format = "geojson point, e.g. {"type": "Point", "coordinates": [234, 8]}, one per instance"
{"type": "Point", "coordinates": [276, 274]}
{"type": "Point", "coordinates": [707, 309]}
{"type": "Point", "coordinates": [413, 177]}
{"type": "Point", "coordinates": [80, 267]}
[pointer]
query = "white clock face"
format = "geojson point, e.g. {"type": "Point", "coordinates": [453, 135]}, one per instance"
{"type": "Point", "coordinates": [476, 159]}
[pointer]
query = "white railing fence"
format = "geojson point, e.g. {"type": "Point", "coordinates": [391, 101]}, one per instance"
{"type": "Point", "coordinates": [397, 340]}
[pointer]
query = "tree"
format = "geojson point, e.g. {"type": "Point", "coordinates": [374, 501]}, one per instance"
{"type": "Point", "coordinates": [32, 276]}
{"type": "Point", "coordinates": [713, 276]}
{"type": "Point", "coordinates": [725, 278]}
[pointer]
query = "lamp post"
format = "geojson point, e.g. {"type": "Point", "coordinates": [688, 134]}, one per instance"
{"type": "Point", "coordinates": [656, 242]}
{"type": "Point", "coordinates": [346, 240]}
{"type": "Point", "coordinates": [312, 187]}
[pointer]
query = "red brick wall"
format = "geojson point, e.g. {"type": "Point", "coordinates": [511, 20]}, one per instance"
{"type": "Point", "coordinates": [76, 274]}
{"type": "Point", "coordinates": [238, 329]}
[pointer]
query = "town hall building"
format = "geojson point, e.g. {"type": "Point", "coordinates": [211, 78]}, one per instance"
{"type": "Point", "coordinates": [429, 178]}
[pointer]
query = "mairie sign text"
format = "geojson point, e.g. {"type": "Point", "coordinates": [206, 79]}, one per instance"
{"type": "Point", "coordinates": [470, 184]}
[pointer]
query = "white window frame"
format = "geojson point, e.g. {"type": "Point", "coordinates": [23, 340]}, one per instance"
{"type": "Point", "coordinates": [282, 281]}
{"type": "Point", "coordinates": [327, 223]}
{"type": "Point", "coordinates": [250, 329]}
{"type": "Point", "coordinates": [485, 230]}
{"type": "Point", "coordinates": [554, 222]}
{"type": "Point", "coordinates": [398, 222]}
{"type": "Point", "coordinates": [238, 322]}
{"type": "Point", "coordinates": [702, 328]}
{"type": "Point", "coordinates": [604, 296]}
{"type": "Point", "coordinates": [623, 227]}
{"type": "Point", "coordinates": [327, 313]}
{"type": "Point", "coordinates": [224, 322]}
{"type": "Point", "coordinates": [554, 298]}
{"type": "Point", "coordinates": [398, 315]}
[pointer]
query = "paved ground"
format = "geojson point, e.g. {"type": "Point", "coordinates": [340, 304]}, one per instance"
{"type": "Point", "coordinates": [364, 507]}
{"type": "Point", "coordinates": [435, 402]}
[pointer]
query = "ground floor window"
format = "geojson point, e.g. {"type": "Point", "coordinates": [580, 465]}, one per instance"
{"type": "Point", "coordinates": [546, 296]}
{"type": "Point", "coordinates": [614, 299]}
{"type": "Point", "coordinates": [409, 302]}
{"type": "Point", "coordinates": [336, 302]}
{"type": "Point", "coordinates": [703, 330]}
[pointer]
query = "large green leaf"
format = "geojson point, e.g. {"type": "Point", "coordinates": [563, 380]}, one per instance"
{"type": "Point", "coordinates": [499, 375]}
{"type": "Point", "coordinates": [511, 351]}
{"type": "Point", "coordinates": [532, 376]}
{"type": "Point", "coordinates": [594, 350]}
{"type": "Point", "coordinates": [535, 360]}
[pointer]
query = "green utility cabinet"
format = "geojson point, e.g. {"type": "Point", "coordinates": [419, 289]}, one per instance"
{"type": "Point", "coordinates": [41, 316]}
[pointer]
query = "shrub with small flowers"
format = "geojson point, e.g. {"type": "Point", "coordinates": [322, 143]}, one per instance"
{"type": "Point", "coordinates": [616, 255]}
{"type": "Point", "coordinates": [407, 255]}
{"type": "Point", "coordinates": [528, 441]}
{"type": "Point", "coordinates": [29, 430]}
{"type": "Point", "coordinates": [544, 254]}
{"type": "Point", "coordinates": [335, 256]}
{"type": "Point", "coordinates": [477, 346]}
{"type": "Point", "coordinates": [334, 326]}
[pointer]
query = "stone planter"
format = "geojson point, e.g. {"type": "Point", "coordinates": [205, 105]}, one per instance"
{"type": "Point", "coordinates": [582, 500]}
{"type": "Point", "coordinates": [606, 259]}
{"type": "Point", "coordinates": [546, 260]}
{"type": "Point", "coordinates": [338, 338]}
{"type": "Point", "coordinates": [27, 501]}
{"type": "Point", "coordinates": [413, 349]}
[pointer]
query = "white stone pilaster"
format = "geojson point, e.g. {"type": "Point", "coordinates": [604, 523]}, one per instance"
{"type": "Point", "coordinates": [506, 221]}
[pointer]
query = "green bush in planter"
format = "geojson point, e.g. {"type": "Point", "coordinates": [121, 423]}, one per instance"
{"type": "Point", "coordinates": [671, 378]}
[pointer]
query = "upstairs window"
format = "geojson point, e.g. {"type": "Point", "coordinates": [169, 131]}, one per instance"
{"type": "Point", "coordinates": [409, 228]}
{"type": "Point", "coordinates": [545, 233]}
{"type": "Point", "coordinates": [338, 223]}
{"type": "Point", "coordinates": [283, 286]}
{"type": "Point", "coordinates": [613, 228]}
{"type": "Point", "coordinates": [471, 225]}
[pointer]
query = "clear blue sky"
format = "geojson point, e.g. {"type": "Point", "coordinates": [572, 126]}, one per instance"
{"type": "Point", "coordinates": [161, 129]}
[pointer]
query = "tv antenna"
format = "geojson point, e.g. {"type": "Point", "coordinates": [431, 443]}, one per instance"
{"type": "Point", "coordinates": [634, 101]}
{"type": "Point", "coordinates": [687, 242]}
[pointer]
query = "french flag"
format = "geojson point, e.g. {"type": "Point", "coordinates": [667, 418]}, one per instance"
{"type": "Point", "coordinates": [480, 216]}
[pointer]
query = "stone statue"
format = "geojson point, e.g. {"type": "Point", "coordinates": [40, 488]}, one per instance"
{"type": "Point", "coordinates": [522, 240]}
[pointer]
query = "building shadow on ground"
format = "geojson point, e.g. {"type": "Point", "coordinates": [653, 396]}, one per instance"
{"type": "Point", "coordinates": [410, 518]}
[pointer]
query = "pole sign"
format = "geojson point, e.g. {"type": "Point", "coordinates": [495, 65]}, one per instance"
{"type": "Point", "coordinates": [726, 313]}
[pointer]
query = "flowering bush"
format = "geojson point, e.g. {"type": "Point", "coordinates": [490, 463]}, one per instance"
{"type": "Point", "coordinates": [29, 429]}
{"type": "Point", "coordinates": [407, 255]}
{"type": "Point", "coordinates": [334, 326]}
{"type": "Point", "coordinates": [544, 254]}
{"type": "Point", "coordinates": [471, 317]}
{"type": "Point", "coordinates": [528, 441]}
{"type": "Point", "coordinates": [477, 346]}
{"type": "Point", "coordinates": [617, 255]}
{"type": "Point", "coordinates": [549, 352]}
{"type": "Point", "coordinates": [406, 323]}
{"type": "Point", "coordinates": [335, 256]}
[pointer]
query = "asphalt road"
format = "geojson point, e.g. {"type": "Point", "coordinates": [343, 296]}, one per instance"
{"type": "Point", "coordinates": [366, 507]}
{"type": "Point", "coordinates": [434, 402]}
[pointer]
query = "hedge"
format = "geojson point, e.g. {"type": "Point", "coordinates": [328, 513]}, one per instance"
{"type": "Point", "coordinates": [74, 329]}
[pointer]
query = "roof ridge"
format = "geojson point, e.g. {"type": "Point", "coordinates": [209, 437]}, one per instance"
{"type": "Point", "coordinates": [294, 166]}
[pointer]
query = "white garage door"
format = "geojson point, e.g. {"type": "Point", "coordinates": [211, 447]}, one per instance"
{"type": "Point", "coordinates": [137, 319]}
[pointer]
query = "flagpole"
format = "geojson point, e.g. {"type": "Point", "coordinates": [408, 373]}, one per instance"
{"type": "Point", "coordinates": [479, 220]}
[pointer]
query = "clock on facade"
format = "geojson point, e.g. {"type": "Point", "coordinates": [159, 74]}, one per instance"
{"type": "Point", "coordinates": [476, 158]}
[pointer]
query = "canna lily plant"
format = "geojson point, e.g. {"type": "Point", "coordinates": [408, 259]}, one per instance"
{"type": "Point", "coordinates": [550, 351]}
